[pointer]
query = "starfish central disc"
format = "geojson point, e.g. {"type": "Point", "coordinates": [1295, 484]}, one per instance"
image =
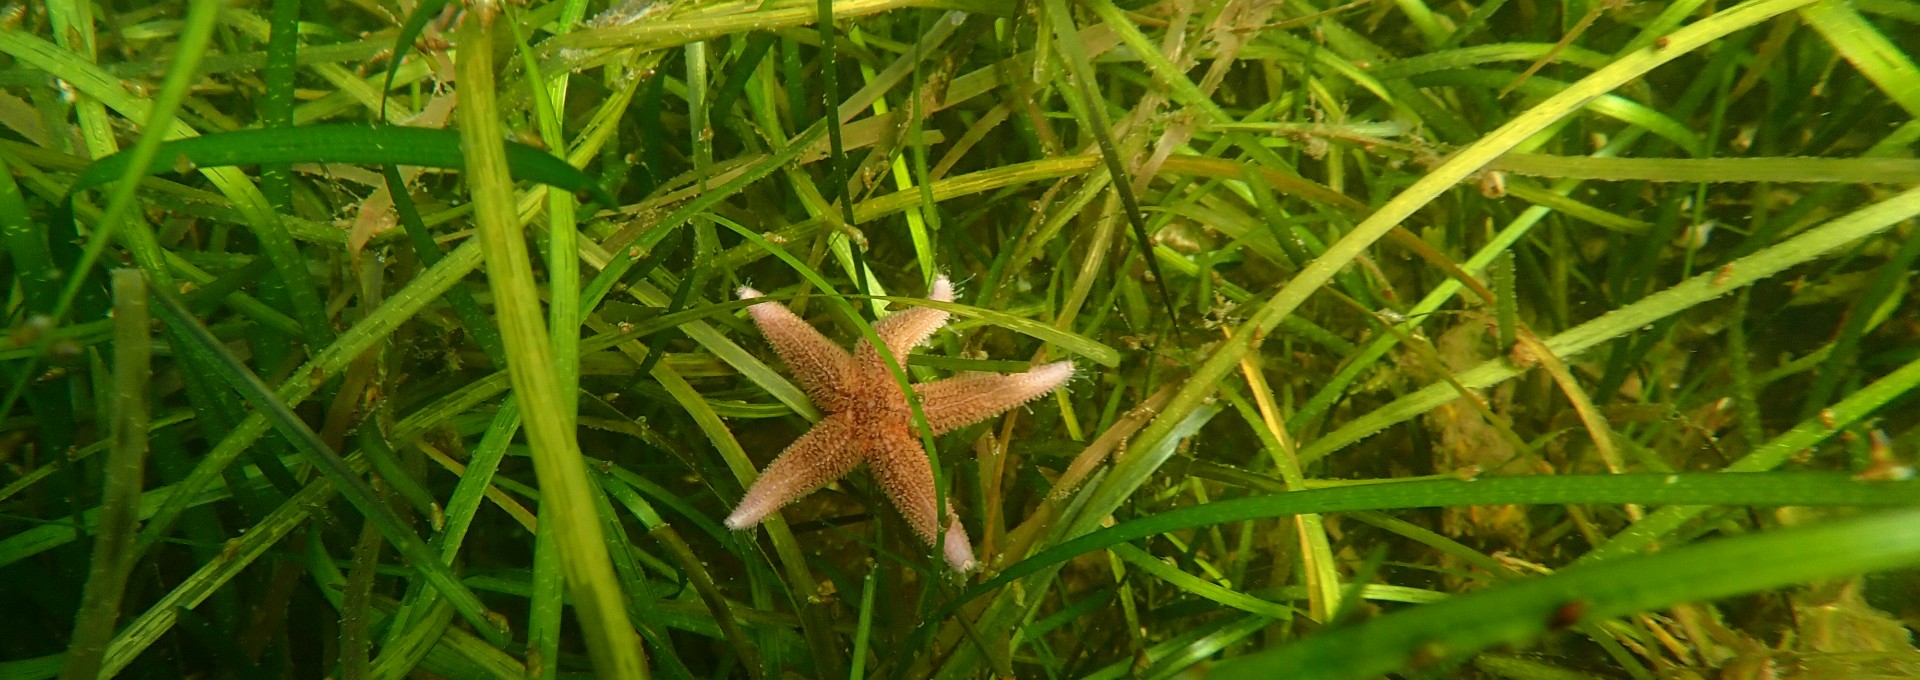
{"type": "Point", "coordinates": [869, 421]}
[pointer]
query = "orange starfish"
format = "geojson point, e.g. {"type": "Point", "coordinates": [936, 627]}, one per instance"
{"type": "Point", "coordinates": [868, 419]}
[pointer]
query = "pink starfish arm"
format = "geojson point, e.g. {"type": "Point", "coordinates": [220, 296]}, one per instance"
{"type": "Point", "coordinates": [906, 329]}
{"type": "Point", "coordinates": [958, 402]}
{"type": "Point", "coordinates": [825, 453]}
{"type": "Point", "coordinates": [906, 476]}
{"type": "Point", "coordinates": [820, 366]}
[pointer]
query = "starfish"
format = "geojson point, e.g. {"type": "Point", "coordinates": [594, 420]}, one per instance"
{"type": "Point", "coordinates": [868, 419]}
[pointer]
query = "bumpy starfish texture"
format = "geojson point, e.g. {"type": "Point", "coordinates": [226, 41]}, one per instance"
{"type": "Point", "coordinates": [868, 419]}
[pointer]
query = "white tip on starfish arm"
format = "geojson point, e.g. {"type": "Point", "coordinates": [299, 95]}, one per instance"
{"type": "Point", "coordinates": [942, 289]}
{"type": "Point", "coordinates": [749, 514]}
{"type": "Point", "coordinates": [958, 550]}
{"type": "Point", "coordinates": [737, 521]}
{"type": "Point", "coordinates": [747, 293]}
{"type": "Point", "coordinates": [909, 328]}
{"type": "Point", "coordinates": [1054, 374]}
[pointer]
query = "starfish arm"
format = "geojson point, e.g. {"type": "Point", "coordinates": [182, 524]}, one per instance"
{"type": "Point", "coordinates": [958, 402]}
{"type": "Point", "coordinates": [906, 329]}
{"type": "Point", "coordinates": [820, 366]}
{"type": "Point", "coordinates": [906, 476]}
{"type": "Point", "coordinates": [817, 458]}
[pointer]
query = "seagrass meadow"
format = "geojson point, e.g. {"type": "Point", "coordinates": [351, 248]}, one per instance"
{"type": "Point", "coordinates": [1487, 339]}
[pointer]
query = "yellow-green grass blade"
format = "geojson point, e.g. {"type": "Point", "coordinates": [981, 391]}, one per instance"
{"type": "Point", "coordinates": [1613, 106]}
{"type": "Point", "coordinates": [112, 559]}
{"type": "Point", "coordinates": [1432, 634]}
{"type": "Point", "coordinates": [1869, 50]}
{"type": "Point", "coordinates": [718, 20]}
{"type": "Point", "coordinates": [1715, 170]}
{"type": "Point", "coordinates": [565, 489]}
{"type": "Point", "coordinates": [1738, 489]}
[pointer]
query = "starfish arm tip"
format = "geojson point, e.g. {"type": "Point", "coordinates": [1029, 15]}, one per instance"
{"type": "Point", "coordinates": [958, 550]}
{"type": "Point", "coordinates": [740, 520]}
{"type": "Point", "coordinates": [942, 289]}
{"type": "Point", "coordinates": [1054, 374]}
{"type": "Point", "coordinates": [747, 293]}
